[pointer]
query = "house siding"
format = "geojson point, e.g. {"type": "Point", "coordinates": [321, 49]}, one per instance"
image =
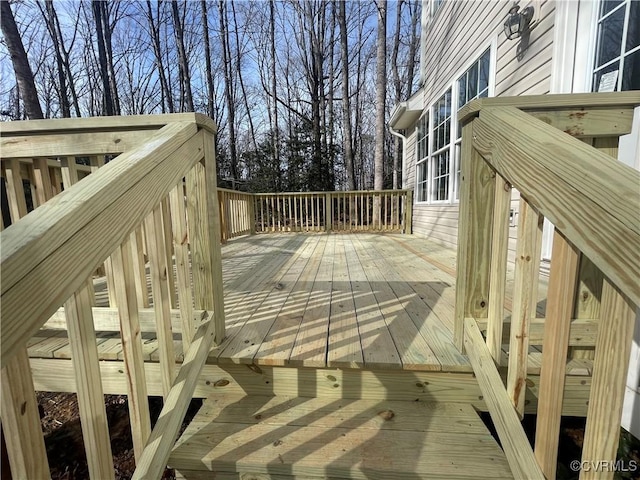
{"type": "Point", "coordinates": [454, 37]}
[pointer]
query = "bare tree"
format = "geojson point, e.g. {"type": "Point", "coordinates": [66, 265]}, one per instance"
{"type": "Point", "coordinates": [274, 82]}
{"type": "Point", "coordinates": [252, 131]}
{"type": "Point", "coordinates": [154, 30]}
{"type": "Point", "coordinates": [228, 75]}
{"type": "Point", "coordinates": [207, 57]}
{"type": "Point", "coordinates": [99, 8]}
{"type": "Point", "coordinates": [186, 96]}
{"type": "Point", "coordinates": [347, 140]}
{"type": "Point", "coordinates": [381, 91]}
{"type": "Point", "coordinates": [24, 75]}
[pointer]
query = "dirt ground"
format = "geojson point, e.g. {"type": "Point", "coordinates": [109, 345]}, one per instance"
{"type": "Point", "coordinates": [63, 434]}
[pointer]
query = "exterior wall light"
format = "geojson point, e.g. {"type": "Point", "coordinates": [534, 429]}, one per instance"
{"type": "Point", "coordinates": [517, 23]}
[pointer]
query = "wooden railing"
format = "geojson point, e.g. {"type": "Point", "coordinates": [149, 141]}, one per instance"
{"type": "Point", "coordinates": [357, 211]}
{"type": "Point", "coordinates": [593, 200]}
{"type": "Point", "coordinates": [157, 197]}
{"type": "Point", "coordinates": [236, 213]}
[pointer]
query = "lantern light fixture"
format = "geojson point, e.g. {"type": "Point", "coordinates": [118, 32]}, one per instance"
{"type": "Point", "coordinates": [517, 22]}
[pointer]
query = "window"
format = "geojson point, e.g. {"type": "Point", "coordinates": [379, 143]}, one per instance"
{"type": "Point", "coordinates": [423, 154]}
{"type": "Point", "coordinates": [440, 159]}
{"type": "Point", "coordinates": [617, 56]}
{"type": "Point", "coordinates": [437, 165]}
{"type": "Point", "coordinates": [474, 83]}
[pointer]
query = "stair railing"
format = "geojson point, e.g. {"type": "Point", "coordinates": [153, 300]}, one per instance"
{"type": "Point", "coordinates": [157, 199]}
{"type": "Point", "coordinates": [593, 200]}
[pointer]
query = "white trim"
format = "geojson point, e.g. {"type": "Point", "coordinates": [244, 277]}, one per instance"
{"type": "Point", "coordinates": [629, 145]}
{"type": "Point", "coordinates": [564, 47]}
{"type": "Point", "coordinates": [631, 406]}
{"type": "Point", "coordinates": [452, 85]}
{"type": "Point", "coordinates": [586, 30]}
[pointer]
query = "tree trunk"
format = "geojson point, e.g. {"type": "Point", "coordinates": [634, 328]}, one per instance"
{"type": "Point", "coordinates": [346, 102]}
{"type": "Point", "coordinates": [252, 131]}
{"type": "Point", "coordinates": [207, 57]}
{"type": "Point", "coordinates": [274, 84]}
{"type": "Point", "coordinates": [414, 7]}
{"type": "Point", "coordinates": [397, 84]}
{"type": "Point", "coordinates": [183, 62]}
{"type": "Point", "coordinates": [226, 55]}
{"type": "Point", "coordinates": [381, 93]}
{"type": "Point", "coordinates": [157, 51]}
{"type": "Point", "coordinates": [66, 61]}
{"type": "Point", "coordinates": [49, 15]}
{"type": "Point", "coordinates": [108, 107]}
{"type": "Point", "coordinates": [24, 75]}
{"type": "Point", "coordinates": [107, 30]}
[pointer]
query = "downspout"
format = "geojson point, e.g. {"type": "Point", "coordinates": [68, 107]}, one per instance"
{"type": "Point", "coordinates": [404, 149]}
{"type": "Point", "coordinates": [404, 162]}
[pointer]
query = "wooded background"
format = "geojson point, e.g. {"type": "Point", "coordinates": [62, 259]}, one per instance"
{"type": "Point", "coordinates": [300, 89]}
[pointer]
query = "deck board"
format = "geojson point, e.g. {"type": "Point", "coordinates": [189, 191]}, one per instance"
{"type": "Point", "coordinates": [249, 339]}
{"type": "Point", "coordinates": [367, 301]}
{"type": "Point", "coordinates": [379, 347]}
{"type": "Point", "coordinates": [344, 347]}
{"type": "Point", "coordinates": [276, 347]}
{"type": "Point", "coordinates": [413, 350]}
{"type": "Point", "coordinates": [360, 439]}
{"type": "Point", "coordinates": [310, 347]}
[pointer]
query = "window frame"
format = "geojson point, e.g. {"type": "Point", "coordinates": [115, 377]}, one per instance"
{"type": "Point", "coordinates": [453, 145]}
{"type": "Point", "coordinates": [422, 184]}
{"type": "Point", "coordinates": [623, 54]}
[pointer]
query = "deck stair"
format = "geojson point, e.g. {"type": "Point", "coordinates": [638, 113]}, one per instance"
{"type": "Point", "coordinates": [268, 438]}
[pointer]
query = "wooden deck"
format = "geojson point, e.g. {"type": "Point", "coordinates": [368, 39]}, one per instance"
{"type": "Point", "coordinates": [258, 437]}
{"type": "Point", "coordinates": [377, 302]}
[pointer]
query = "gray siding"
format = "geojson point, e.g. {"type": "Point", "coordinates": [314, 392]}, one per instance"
{"type": "Point", "coordinates": [456, 35]}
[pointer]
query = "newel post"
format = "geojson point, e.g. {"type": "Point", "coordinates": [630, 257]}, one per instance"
{"type": "Point", "coordinates": [408, 212]}
{"type": "Point", "coordinates": [477, 197]}
{"type": "Point", "coordinates": [328, 211]}
{"type": "Point", "coordinates": [204, 233]}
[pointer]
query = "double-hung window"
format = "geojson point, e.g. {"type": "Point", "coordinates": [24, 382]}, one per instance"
{"type": "Point", "coordinates": [422, 165]}
{"type": "Point", "coordinates": [441, 156]}
{"type": "Point", "coordinates": [617, 56]}
{"type": "Point", "coordinates": [437, 165]}
{"type": "Point", "coordinates": [472, 84]}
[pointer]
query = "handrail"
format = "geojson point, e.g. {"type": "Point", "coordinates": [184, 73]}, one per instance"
{"type": "Point", "coordinates": [102, 124]}
{"type": "Point", "coordinates": [166, 179]}
{"type": "Point", "coordinates": [576, 102]}
{"type": "Point", "coordinates": [37, 250]}
{"type": "Point", "coordinates": [571, 184]}
{"type": "Point", "coordinates": [592, 199]}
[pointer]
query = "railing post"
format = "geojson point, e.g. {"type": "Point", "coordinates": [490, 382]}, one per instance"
{"type": "Point", "coordinates": [252, 213]}
{"type": "Point", "coordinates": [19, 410]}
{"type": "Point", "coordinates": [498, 267]}
{"type": "Point", "coordinates": [561, 294]}
{"type": "Point", "coordinates": [125, 293]}
{"type": "Point", "coordinates": [477, 198]}
{"type": "Point", "coordinates": [222, 208]}
{"type": "Point", "coordinates": [214, 293]}
{"type": "Point", "coordinates": [408, 212]}
{"type": "Point", "coordinates": [524, 300]}
{"type": "Point", "coordinates": [613, 347]}
{"type": "Point", "coordinates": [21, 421]}
{"type": "Point", "coordinates": [328, 212]}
